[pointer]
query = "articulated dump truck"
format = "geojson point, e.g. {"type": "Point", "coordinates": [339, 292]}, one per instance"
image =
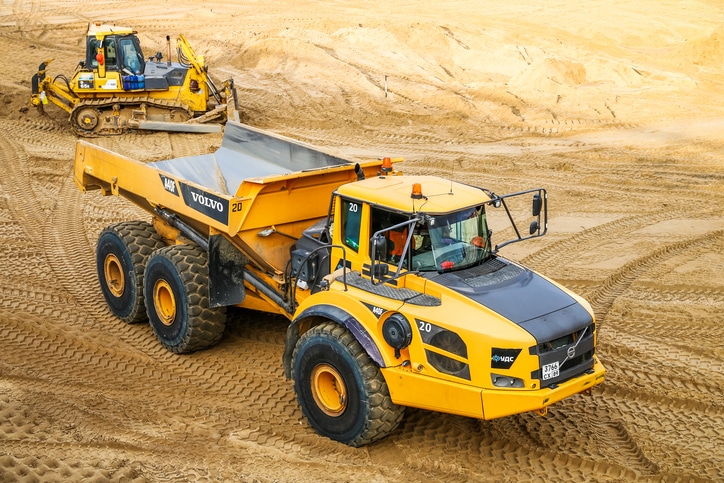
{"type": "Point", "coordinates": [394, 291]}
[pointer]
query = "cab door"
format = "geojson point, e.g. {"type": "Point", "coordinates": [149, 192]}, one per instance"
{"type": "Point", "coordinates": [352, 232]}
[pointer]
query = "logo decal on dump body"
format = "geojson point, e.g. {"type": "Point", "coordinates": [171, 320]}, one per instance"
{"type": "Point", "coordinates": [503, 358]}
{"type": "Point", "coordinates": [169, 184]}
{"type": "Point", "coordinates": [209, 204]}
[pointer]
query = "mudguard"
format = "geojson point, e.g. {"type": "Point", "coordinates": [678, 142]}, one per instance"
{"type": "Point", "coordinates": [335, 314]}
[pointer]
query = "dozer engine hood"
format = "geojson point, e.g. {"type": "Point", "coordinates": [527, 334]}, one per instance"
{"type": "Point", "coordinates": [520, 295]}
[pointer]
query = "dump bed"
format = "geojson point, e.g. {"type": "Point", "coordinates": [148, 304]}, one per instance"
{"type": "Point", "coordinates": [247, 154]}
{"type": "Point", "coordinates": [255, 181]}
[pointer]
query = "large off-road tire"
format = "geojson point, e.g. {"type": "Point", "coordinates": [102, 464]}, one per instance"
{"type": "Point", "coordinates": [176, 287]}
{"type": "Point", "coordinates": [341, 391]}
{"type": "Point", "coordinates": [121, 255]}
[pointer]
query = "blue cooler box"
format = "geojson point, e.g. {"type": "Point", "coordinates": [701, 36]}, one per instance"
{"type": "Point", "coordinates": [133, 82]}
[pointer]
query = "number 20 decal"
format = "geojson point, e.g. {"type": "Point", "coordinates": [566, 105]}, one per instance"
{"type": "Point", "coordinates": [353, 207]}
{"type": "Point", "coordinates": [424, 326]}
{"type": "Point", "coordinates": [236, 207]}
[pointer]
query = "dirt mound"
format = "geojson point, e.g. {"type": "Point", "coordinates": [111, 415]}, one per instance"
{"type": "Point", "coordinates": [706, 52]}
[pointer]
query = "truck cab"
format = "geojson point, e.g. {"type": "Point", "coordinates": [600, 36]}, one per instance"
{"type": "Point", "coordinates": [450, 322]}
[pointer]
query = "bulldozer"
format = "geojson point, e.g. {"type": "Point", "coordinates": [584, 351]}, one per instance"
{"type": "Point", "coordinates": [116, 89]}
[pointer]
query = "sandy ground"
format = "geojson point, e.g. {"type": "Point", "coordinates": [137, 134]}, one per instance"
{"type": "Point", "coordinates": [615, 107]}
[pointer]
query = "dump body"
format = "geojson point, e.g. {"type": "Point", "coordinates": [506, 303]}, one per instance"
{"type": "Point", "coordinates": [253, 182]}
{"type": "Point", "coordinates": [393, 290]}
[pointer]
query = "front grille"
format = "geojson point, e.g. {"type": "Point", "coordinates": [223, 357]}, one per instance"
{"type": "Point", "coordinates": [566, 340]}
{"type": "Point", "coordinates": [565, 357]}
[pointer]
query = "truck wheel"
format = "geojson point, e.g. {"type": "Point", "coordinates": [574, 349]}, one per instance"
{"type": "Point", "coordinates": [121, 255]}
{"type": "Point", "coordinates": [340, 389]}
{"type": "Point", "coordinates": [176, 286]}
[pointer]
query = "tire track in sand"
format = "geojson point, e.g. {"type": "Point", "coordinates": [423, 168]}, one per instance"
{"type": "Point", "coordinates": [603, 298]}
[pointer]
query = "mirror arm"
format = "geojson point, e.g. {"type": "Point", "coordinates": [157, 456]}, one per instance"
{"type": "Point", "coordinates": [540, 203]}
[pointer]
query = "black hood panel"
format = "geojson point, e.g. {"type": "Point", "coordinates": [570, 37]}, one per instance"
{"type": "Point", "coordinates": [521, 296]}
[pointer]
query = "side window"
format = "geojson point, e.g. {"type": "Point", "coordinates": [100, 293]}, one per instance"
{"type": "Point", "coordinates": [92, 51]}
{"type": "Point", "coordinates": [110, 53]}
{"type": "Point", "coordinates": [131, 59]}
{"type": "Point", "coordinates": [382, 219]}
{"type": "Point", "coordinates": [351, 221]}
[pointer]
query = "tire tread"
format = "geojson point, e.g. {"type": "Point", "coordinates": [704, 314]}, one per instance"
{"type": "Point", "coordinates": [383, 415]}
{"type": "Point", "coordinates": [205, 324]}
{"type": "Point", "coordinates": [141, 240]}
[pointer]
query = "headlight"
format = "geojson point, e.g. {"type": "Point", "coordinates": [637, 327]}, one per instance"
{"type": "Point", "coordinates": [506, 381]}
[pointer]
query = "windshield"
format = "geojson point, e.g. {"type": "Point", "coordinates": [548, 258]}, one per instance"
{"type": "Point", "coordinates": [451, 242]}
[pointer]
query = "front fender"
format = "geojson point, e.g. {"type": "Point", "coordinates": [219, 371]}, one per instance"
{"type": "Point", "coordinates": [337, 315]}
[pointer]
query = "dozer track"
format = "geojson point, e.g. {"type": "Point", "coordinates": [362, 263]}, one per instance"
{"type": "Point", "coordinates": [116, 115]}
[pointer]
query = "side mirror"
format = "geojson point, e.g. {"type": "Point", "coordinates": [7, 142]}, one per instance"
{"type": "Point", "coordinates": [537, 204]}
{"type": "Point", "coordinates": [378, 248]}
{"type": "Point", "coordinates": [534, 227]}
{"type": "Point", "coordinates": [378, 252]}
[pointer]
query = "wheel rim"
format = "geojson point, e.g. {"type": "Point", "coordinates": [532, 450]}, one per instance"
{"type": "Point", "coordinates": [165, 302]}
{"type": "Point", "coordinates": [329, 390]}
{"type": "Point", "coordinates": [113, 272]}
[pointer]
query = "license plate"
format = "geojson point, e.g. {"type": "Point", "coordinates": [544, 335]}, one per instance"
{"type": "Point", "coordinates": [550, 370]}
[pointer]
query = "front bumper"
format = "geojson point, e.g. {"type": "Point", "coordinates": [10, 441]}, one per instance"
{"type": "Point", "coordinates": [420, 391]}
{"type": "Point", "coordinates": [500, 403]}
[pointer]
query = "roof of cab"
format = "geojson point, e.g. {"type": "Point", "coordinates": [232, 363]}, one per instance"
{"type": "Point", "coordinates": [439, 195]}
{"type": "Point", "coordinates": [97, 28]}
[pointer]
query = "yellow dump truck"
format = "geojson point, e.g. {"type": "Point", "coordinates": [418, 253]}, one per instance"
{"type": "Point", "coordinates": [395, 294]}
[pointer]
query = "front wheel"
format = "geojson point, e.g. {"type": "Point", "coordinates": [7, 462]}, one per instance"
{"type": "Point", "coordinates": [176, 288]}
{"type": "Point", "coordinates": [340, 389]}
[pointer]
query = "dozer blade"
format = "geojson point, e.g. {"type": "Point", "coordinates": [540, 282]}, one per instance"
{"type": "Point", "coordinates": [176, 126]}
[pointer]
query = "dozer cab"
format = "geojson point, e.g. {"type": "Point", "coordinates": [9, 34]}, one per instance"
{"type": "Point", "coordinates": [116, 89]}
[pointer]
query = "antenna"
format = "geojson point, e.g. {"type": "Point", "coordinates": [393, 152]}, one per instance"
{"type": "Point", "coordinates": [452, 173]}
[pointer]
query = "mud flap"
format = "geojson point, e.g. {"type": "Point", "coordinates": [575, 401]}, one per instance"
{"type": "Point", "coordinates": [226, 273]}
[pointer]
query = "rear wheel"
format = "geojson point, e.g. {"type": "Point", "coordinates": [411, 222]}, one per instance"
{"type": "Point", "coordinates": [121, 255]}
{"type": "Point", "coordinates": [340, 389]}
{"type": "Point", "coordinates": [176, 287]}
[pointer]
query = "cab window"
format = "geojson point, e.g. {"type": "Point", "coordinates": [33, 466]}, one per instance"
{"type": "Point", "coordinates": [131, 58]}
{"type": "Point", "coordinates": [351, 221]}
{"type": "Point", "coordinates": [108, 48]}
{"type": "Point", "coordinates": [381, 219]}
{"type": "Point", "coordinates": [110, 53]}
